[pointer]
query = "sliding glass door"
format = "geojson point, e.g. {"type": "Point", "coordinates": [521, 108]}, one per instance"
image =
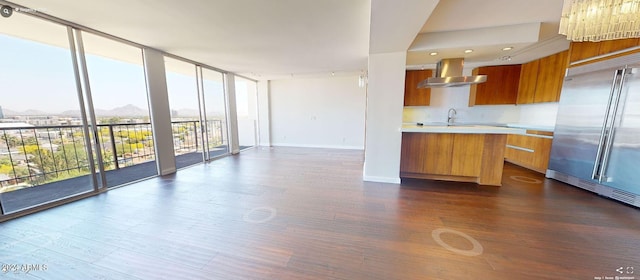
{"type": "Point", "coordinates": [119, 95]}
{"type": "Point", "coordinates": [215, 113]}
{"type": "Point", "coordinates": [182, 86]}
{"type": "Point", "coordinates": [45, 152]}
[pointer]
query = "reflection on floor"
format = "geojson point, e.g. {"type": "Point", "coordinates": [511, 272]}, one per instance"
{"type": "Point", "coordinates": [297, 213]}
{"type": "Point", "coordinates": [29, 197]}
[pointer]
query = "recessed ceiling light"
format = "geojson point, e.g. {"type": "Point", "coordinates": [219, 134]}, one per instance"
{"type": "Point", "coordinates": [507, 48]}
{"type": "Point", "coordinates": [433, 53]}
{"type": "Point", "coordinates": [468, 51]}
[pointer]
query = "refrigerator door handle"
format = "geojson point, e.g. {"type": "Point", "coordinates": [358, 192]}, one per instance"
{"type": "Point", "coordinates": [612, 127]}
{"type": "Point", "coordinates": [604, 133]}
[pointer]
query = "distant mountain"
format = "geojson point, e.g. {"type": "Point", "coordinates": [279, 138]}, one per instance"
{"type": "Point", "coordinates": [8, 113]}
{"type": "Point", "coordinates": [128, 110]}
{"type": "Point", "coordinates": [124, 111]}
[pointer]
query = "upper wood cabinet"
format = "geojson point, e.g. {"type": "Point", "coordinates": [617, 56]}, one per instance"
{"type": "Point", "coordinates": [550, 77]}
{"type": "Point", "coordinates": [501, 86]}
{"type": "Point", "coordinates": [616, 45]}
{"type": "Point", "coordinates": [528, 82]}
{"type": "Point", "coordinates": [414, 96]}
{"type": "Point", "coordinates": [584, 50]}
{"type": "Point", "coordinates": [541, 79]}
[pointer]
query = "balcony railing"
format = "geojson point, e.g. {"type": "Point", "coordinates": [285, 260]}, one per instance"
{"type": "Point", "coordinates": [31, 156]}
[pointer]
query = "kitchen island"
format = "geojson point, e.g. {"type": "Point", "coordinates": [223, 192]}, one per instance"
{"type": "Point", "coordinates": [464, 153]}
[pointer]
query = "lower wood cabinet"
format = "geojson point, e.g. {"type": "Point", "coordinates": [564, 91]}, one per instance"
{"type": "Point", "coordinates": [530, 151]}
{"type": "Point", "coordinates": [442, 154]}
{"type": "Point", "coordinates": [453, 157]}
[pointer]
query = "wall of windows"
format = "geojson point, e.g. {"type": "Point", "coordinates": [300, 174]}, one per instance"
{"type": "Point", "coordinates": [75, 114]}
{"type": "Point", "coordinates": [42, 140]}
{"type": "Point", "coordinates": [198, 112]}
{"type": "Point", "coordinates": [182, 87]}
{"type": "Point", "coordinates": [215, 113]}
{"type": "Point", "coordinates": [118, 91]}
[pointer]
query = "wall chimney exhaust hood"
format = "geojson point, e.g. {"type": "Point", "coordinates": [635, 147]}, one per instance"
{"type": "Point", "coordinates": [449, 74]}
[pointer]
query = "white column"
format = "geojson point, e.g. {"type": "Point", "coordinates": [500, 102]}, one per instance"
{"type": "Point", "coordinates": [160, 112]}
{"type": "Point", "coordinates": [251, 129]}
{"type": "Point", "coordinates": [264, 114]}
{"type": "Point", "coordinates": [230, 89]}
{"type": "Point", "coordinates": [385, 95]}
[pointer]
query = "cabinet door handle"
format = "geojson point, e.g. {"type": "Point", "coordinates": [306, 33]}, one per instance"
{"type": "Point", "coordinates": [520, 148]}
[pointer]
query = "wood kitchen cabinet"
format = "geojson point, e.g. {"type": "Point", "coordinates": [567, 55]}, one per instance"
{"type": "Point", "coordinates": [528, 82]}
{"type": "Point", "coordinates": [531, 150]}
{"type": "Point", "coordinates": [414, 96]}
{"type": "Point", "coordinates": [453, 157]}
{"type": "Point", "coordinates": [541, 79]}
{"type": "Point", "coordinates": [501, 86]}
{"type": "Point", "coordinates": [550, 77]}
{"type": "Point", "coordinates": [466, 154]}
{"type": "Point", "coordinates": [585, 50]}
{"type": "Point", "coordinates": [617, 45]}
{"type": "Point", "coordinates": [442, 154]}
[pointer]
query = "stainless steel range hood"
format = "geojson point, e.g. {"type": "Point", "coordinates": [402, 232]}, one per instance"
{"type": "Point", "coordinates": [449, 74]}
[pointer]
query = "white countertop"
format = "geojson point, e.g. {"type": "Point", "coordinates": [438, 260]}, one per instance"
{"type": "Point", "coordinates": [532, 127]}
{"type": "Point", "coordinates": [461, 128]}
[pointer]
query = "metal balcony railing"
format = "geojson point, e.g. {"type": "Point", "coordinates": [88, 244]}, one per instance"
{"type": "Point", "coordinates": [31, 156]}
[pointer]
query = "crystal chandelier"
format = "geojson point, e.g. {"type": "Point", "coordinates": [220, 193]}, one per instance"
{"type": "Point", "coordinates": [598, 20]}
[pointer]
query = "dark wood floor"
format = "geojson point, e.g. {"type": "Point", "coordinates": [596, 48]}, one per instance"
{"type": "Point", "coordinates": [294, 213]}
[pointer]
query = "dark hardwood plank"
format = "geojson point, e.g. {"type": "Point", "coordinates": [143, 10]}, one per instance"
{"type": "Point", "coordinates": [317, 219]}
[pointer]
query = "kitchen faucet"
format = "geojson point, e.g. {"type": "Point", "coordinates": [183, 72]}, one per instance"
{"type": "Point", "coordinates": [451, 115]}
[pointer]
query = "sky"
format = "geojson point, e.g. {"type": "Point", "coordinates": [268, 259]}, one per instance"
{"type": "Point", "coordinates": [36, 76]}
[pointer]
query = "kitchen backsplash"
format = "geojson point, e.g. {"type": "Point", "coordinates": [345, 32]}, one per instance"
{"type": "Point", "coordinates": [477, 114]}
{"type": "Point", "coordinates": [539, 114]}
{"type": "Point", "coordinates": [442, 99]}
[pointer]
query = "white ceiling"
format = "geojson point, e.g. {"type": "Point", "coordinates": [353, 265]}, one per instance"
{"type": "Point", "coordinates": [283, 38]}
{"type": "Point", "coordinates": [486, 27]}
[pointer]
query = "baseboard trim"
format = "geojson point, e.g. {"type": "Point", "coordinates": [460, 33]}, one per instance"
{"type": "Point", "coordinates": [378, 179]}
{"type": "Point", "coordinates": [317, 146]}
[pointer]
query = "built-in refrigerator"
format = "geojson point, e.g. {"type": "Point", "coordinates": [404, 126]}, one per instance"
{"type": "Point", "coordinates": [596, 142]}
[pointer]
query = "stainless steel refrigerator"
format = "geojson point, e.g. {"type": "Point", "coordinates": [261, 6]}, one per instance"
{"type": "Point", "coordinates": [596, 142]}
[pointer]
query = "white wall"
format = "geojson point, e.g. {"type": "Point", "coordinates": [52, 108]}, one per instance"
{"type": "Point", "coordinates": [384, 117]}
{"type": "Point", "coordinates": [327, 112]}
